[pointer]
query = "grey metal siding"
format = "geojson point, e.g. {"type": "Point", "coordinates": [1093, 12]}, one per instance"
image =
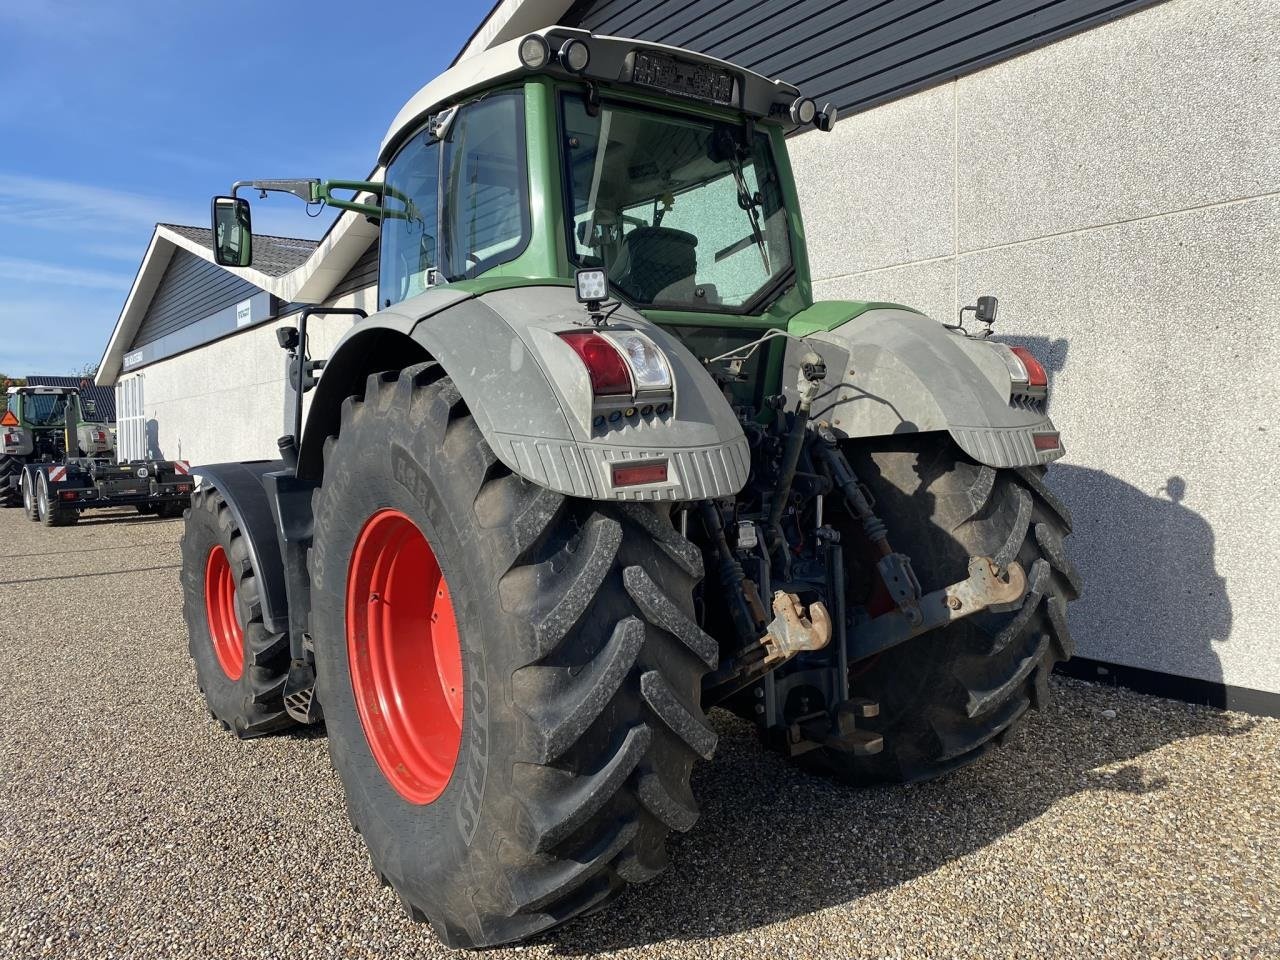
{"type": "Point", "coordinates": [853, 54]}
{"type": "Point", "coordinates": [190, 290]}
{"type": "Point", "coordinates": [363, 273]}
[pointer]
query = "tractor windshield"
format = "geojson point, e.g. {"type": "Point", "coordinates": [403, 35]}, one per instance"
{"type": "Point", "coordinates": [682, 212]}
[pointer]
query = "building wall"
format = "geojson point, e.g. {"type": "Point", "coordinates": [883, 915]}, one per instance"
{"type": "Point", "coordinates": [226, 399]}
{"type": "Point", "coordinates": [1119, 190]}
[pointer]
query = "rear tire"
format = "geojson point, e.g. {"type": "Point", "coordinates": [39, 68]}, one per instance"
{"type": "Point", "coordinates": [581, 673]}
{"type": "Point", "coordinates": [10, 467]}
{"type": "Point", "coordinates": [49, 509]}
{"type": "Point", "coordinates": [946, 696]}
{"type": "Point", "coordinates": [240, 667]}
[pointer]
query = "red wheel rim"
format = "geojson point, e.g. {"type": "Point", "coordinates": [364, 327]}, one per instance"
{"type": "Point", "coordinates": [220, 610]}
{"type": "Point", "coordinates": [406, 661]}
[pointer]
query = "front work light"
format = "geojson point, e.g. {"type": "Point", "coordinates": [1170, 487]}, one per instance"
{"type": "Point", "coordinates": [535, 52]}
{"type": "Point", "coordinates": [574, 55]}
{"type": "Point", "coordinates": [592, 285]}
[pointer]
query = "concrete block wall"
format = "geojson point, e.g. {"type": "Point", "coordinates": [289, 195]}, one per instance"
{"type": "Point", "coordinates": [225, 400]}
{"type": "Point", "coordinates": [1119, 190]}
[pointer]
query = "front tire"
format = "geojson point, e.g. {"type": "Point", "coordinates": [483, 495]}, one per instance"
{"type": "Point", "coordinates": [240, 666]}
{"type": "Point", "coordinates": [567, 725]}
{"type": "Point", "coordinates": [946, 696]}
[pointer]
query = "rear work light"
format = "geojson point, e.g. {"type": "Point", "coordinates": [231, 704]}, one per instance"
{"type": "Point", "coordinates": [634, 474]}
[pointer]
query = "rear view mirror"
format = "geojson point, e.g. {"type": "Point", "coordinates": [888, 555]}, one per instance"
{"type": "Point", "coordinates": [232, 232]}
{"type": "Point", "coordinates": [90, 408]}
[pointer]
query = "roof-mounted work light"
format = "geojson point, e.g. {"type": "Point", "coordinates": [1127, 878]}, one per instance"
{"type": "Point", "coordinates": [574, 55]}
{"type": "Point", "coordinates": [535, 52]}
{"type": "Point", "coordinates": [803, 110]}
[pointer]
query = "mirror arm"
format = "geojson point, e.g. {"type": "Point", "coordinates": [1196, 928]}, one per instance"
{"type": "Point", "coordinates": [304, 190]}
{"type": "Point", "coordinates": [324, 192]}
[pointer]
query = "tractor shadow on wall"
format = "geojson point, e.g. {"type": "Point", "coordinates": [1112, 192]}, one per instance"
{"type": "Point", "coordinates": [774, 843]}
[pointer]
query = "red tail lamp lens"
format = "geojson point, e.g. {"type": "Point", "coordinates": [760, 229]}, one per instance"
{"type": "Point", "coordinates": [605, 366]}
{"type": "Point", "coordinates": [634, 474]}
{"type": "Point", "coordinates": [1036, 376]}
{"type": "Point", "coordinates": [1046, 441]}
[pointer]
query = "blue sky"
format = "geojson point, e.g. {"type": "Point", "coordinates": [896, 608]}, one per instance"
{"type": "Point", "coordinates": [116, 115]}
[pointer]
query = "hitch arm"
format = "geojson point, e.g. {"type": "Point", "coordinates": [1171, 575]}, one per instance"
{"type": "Point", "coordinates": [983, 589]}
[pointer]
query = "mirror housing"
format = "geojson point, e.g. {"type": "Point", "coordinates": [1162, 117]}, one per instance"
{"type": "Point", "coordinates": [232, 232]}
{"type": "Point", "coordinates": [90, 407]}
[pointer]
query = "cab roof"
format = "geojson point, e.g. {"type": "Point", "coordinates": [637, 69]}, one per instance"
{"type": "Point", "coordinates": [611, 63]}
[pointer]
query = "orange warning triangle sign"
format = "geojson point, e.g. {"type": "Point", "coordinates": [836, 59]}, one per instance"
{"type": "Point", "coordinates": [8, 420]}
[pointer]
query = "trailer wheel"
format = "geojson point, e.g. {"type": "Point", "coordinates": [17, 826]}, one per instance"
{"type": "Point", "coordinates": [29, 505]}
{"type": "Point", "coordinates": [49, 509]}
{"type": "Point", "coordinates": [510, 677]}
{"type": "Point", "coordinates": [240, 666]}
{"type": "Point", "coordinates": [171, 509]}
{"type": "Point", "coordinates": [10, 467]}
{"type": "Point", "coordinates": [946, 696]}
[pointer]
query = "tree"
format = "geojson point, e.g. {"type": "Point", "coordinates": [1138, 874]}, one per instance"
{"type": "Point", "coordinates": [5, 384]}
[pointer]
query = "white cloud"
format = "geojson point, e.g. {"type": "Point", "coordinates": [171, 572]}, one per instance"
{"type": "Point", "coordinates": [45, 203]}
{"type": "Point", "coordinates": [50, 274]}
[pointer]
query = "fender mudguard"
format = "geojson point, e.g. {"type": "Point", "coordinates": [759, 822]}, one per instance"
{"type": "Point", "coordinates": [243, 487]}
{"type": "Point", "coordinates": [894, 371]}
{"type": "Point", "coordinates": [531, 397]}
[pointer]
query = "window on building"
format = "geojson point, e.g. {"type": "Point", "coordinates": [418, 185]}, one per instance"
{"type": "Point", "coordinates": [131, 419]}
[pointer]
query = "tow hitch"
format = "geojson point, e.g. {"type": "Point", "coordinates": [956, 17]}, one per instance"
{"type": "Point", "coordinates": [984, 589]}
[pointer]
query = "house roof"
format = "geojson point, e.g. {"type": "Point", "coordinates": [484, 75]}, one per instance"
{"type": "Point", "coordinates": [293, 269]}
{"type": "Point", "coordinates": [104, 398]}
{"type": "Point", "coordinates": [275, 256]}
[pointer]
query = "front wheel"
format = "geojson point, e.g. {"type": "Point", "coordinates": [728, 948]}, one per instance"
{"type": "Point", "coordinates": [947, 695]}
{"type": "Point", "coordinates": [510, 677]}
{"type": "Point", "coordinates": [240, 666]}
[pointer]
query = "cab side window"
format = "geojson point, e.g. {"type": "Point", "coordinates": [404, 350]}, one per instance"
{"type": "Point", "coordinates": [478, 178]}
{"type": "Point", "coordinates": [486, 198]}
{"type": "Point", "coordinates": [408, 253]}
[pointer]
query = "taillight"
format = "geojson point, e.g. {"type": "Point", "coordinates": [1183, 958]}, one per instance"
{"type": "Point", "coordinates": [1033, 371]}
{"type": "Point", "coordinates": [649, 368]}
{"type": "Point", "coordinates": [605, 364]}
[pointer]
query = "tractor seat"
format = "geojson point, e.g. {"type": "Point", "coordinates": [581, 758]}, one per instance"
{"type": "Point", "coordinates": [655, 262]}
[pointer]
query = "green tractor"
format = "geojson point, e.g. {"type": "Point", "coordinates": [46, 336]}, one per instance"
{"type": "Point", "coordinates": [600, 463]}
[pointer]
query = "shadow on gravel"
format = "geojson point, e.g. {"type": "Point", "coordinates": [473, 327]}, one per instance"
{"type": "Point", "coordinates": [775, 843]}
{"type": "Point", "coordinates": [121, 520]}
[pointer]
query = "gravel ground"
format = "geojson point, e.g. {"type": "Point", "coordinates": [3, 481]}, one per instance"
{"type": "Point", "coordinates": [132, 827]}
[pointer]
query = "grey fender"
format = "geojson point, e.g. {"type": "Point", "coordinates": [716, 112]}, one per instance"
{"type": "Point", "coordinates": [895, 371]}
{"type": "Point", "coordinates": [530, 395]}
{"type": "Point", "coordinates": [242, 488]}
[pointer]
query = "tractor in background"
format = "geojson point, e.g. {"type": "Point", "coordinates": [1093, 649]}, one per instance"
{"type": "Point", "coordinates": [57, 461]}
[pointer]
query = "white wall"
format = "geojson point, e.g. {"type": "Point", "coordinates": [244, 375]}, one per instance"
{"type": "Point", "coordinates": [226, 400]}
{"type": "Point", "coordinates": [1120, 192]}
